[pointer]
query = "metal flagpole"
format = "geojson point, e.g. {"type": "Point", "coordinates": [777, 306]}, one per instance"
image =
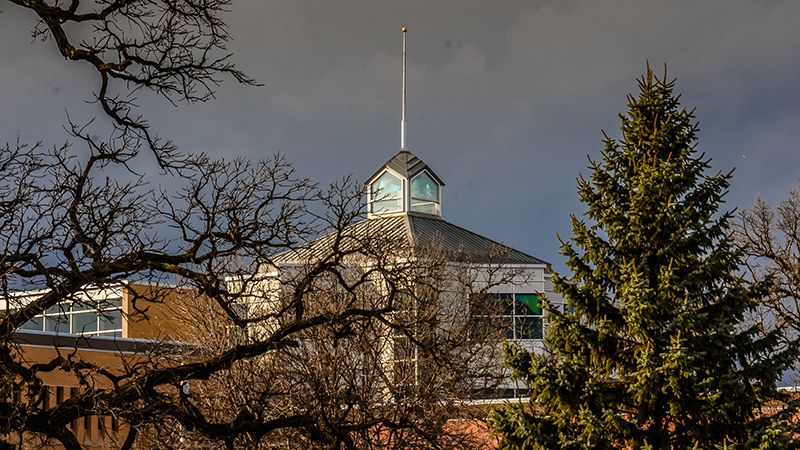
{"type": "Point", "coordinates": [403, 121]}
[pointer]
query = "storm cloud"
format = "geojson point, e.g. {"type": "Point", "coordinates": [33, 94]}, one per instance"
{"type": "Point", "coordinates": [505, 99]}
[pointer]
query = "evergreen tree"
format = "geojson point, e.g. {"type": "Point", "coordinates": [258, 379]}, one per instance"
{"type": "Point", "coordinates": [656, 351]}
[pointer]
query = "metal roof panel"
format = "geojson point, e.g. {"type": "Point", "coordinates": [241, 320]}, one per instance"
{"type": "Point", "coordinates": [407, 165]}
{"type": "Point", "coordinates": [401, 229]}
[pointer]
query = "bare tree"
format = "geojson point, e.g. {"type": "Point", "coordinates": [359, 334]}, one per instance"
{"type": "Point", "coordinates": [171, 48]}
{"type": "Point", "coordinates": [396, 379]}
{"type": "Point", "coordinates": [770, 238]}
{"type": "Point", "coordinates": [320, 361]}
{"type": "Point", "coordinates": [326, 356]}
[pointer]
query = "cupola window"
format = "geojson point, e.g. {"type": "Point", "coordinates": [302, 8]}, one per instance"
{"type": "Point", "coordinates": [387, 194]}
{"type": "Point", "coordinates": [425, 194]}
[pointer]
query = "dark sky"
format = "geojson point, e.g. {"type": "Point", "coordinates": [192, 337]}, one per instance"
{"type": "Point", "coordinates": [505, 99]}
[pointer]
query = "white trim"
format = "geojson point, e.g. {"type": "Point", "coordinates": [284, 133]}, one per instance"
{"type": "Point", "coordinates": [438, 192]}
{"type": "Point", "coordinates": [403, 190]}
{"type": "Point", "coordinates": [127, 352]}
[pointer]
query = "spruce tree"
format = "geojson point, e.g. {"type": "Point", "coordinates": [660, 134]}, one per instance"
{"type": "Point", "coordinates": [655, 350]}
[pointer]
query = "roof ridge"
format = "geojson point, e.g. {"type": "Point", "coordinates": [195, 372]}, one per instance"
{"type": "Point", "coordinates": [409, 228]}
{"type": "Point", "coordinates": [407, 165]}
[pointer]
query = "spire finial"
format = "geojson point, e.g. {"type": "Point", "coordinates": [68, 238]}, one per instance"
{"type": "Point", "coordinates": [403, 121]}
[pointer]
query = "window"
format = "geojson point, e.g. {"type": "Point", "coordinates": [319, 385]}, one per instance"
{"type": "Point", "coordinates": [519, 315]}
{"type": "Point", "coordinates": [405, 353]}
{"type": "Point", "coordinates": [387, 194]}
{"type": "Point", "coordinates": [501, 393]}
{"type": "Point", "coordinates": [425, 194]}
{"type": "Point", "coordinates": [410, 346]}
{"type": "Point", "coordinates": [102, 318]}
{"type": "Point", "coordinates": [527, 317]}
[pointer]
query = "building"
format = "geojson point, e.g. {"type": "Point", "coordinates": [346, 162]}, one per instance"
{"type": "Point", "coordinates": [404, 207]}
{"type": "Point", "coordinates": [113, 328]}
{"type": "Point", "coordinates": [124, 323]}
{"type": "Point", "coordinates": [117, 311]}
{"type": "Point", "coordinates": [404, 228]}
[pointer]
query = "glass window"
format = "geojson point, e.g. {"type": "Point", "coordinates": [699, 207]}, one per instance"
{"type": "Point", "coordinates": [402, 349]}
{"type": "Point", "coordinates": [528, 327]}
{"type": "Point", "coordinates": [34, 324]}
{"type": "Point", "coordinates": [56, 324]}
{"type": "Point", "coordinates": [387, 186]}
{"type": "Point", "coordinates": [84, 306]}
{"type": "Point", "coordinates": [60, 308]}
{"type": "Point", "coordinates": [86, 317]}
{"type": "Point", "coordinates": [527, 304]}
{"type": "Point", "coordinates": [387, 206]}
{"type": "Point", "coordinates": [84, 322]}
{"type": "Point", "coordinates": [518, 315]}
{"type": "Point", "coordinates": [111, 303]}
{"type": "Point", "coordinates": [425, 207]}
{"type": "Point", "coordinates": [507, 302]}
{"type": "Point", "coordinates": [500, 393]}
{"type": "Point", "coordinates": [507, 324]}
{"type": "Point", "coordinates": [425, 194]}
{"type": "Point", "coordinates": [424, 188]}
{"type": "Point", "coordinates": [387, 193]}
{"type": "Point", "coordinates": [110, 320]}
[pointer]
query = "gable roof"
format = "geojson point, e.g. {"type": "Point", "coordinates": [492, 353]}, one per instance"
{"type": "Point", "coordinates": [423, 231]}
{"type": "Point", "coordinates": [407, 165]}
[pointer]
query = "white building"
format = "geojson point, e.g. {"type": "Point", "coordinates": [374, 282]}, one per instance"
{"type": "Point", "coordinates": [404, 205]}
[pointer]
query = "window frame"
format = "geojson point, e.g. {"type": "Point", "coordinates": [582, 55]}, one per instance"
{"type": "Point", "coordinates": [401, 196]}
{"type": "Point", "coordinates": [511, 314]}
{"type": "Point", "coordinates": [437, 203]}
{"type": "Point", "coordinates": [63, 316]}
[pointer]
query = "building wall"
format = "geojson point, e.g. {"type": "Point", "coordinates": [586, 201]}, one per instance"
{"type": "Point", "coordinates": [112, 354]}
{"type": "Point", "coordinates": [150, 314]}
{"type": "Point", "coordinates": [158, 313]}
{"type": "Point", "coordinates": [153, 313]}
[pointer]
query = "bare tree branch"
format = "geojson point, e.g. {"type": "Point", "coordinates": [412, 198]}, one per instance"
{"type": "Point", "coordinates": [168, 47]}
{"type": "Point", "coordinates": [770, 238]}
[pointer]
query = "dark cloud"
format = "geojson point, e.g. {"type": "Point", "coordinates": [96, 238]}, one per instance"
{"type": "Point", "coordinates": [504, 102]}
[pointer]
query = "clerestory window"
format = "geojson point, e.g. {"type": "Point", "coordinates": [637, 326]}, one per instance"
{"type": "Point", "coordinates": [425, 194]}
{"type": "Point", "coordinates": [386, 194]}
{"type": "Point", "coordinates": [102, 318]}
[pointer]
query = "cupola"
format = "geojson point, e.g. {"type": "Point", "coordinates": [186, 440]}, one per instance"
{"type": "Point", "coordinates": [405, 184]}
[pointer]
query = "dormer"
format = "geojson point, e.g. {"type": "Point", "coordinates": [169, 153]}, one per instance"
{"type": "Point", "coordinates": [405, 184]}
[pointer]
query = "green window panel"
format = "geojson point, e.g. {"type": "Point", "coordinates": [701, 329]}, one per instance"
{"type": "Point", "coordinates": [528, 304]}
